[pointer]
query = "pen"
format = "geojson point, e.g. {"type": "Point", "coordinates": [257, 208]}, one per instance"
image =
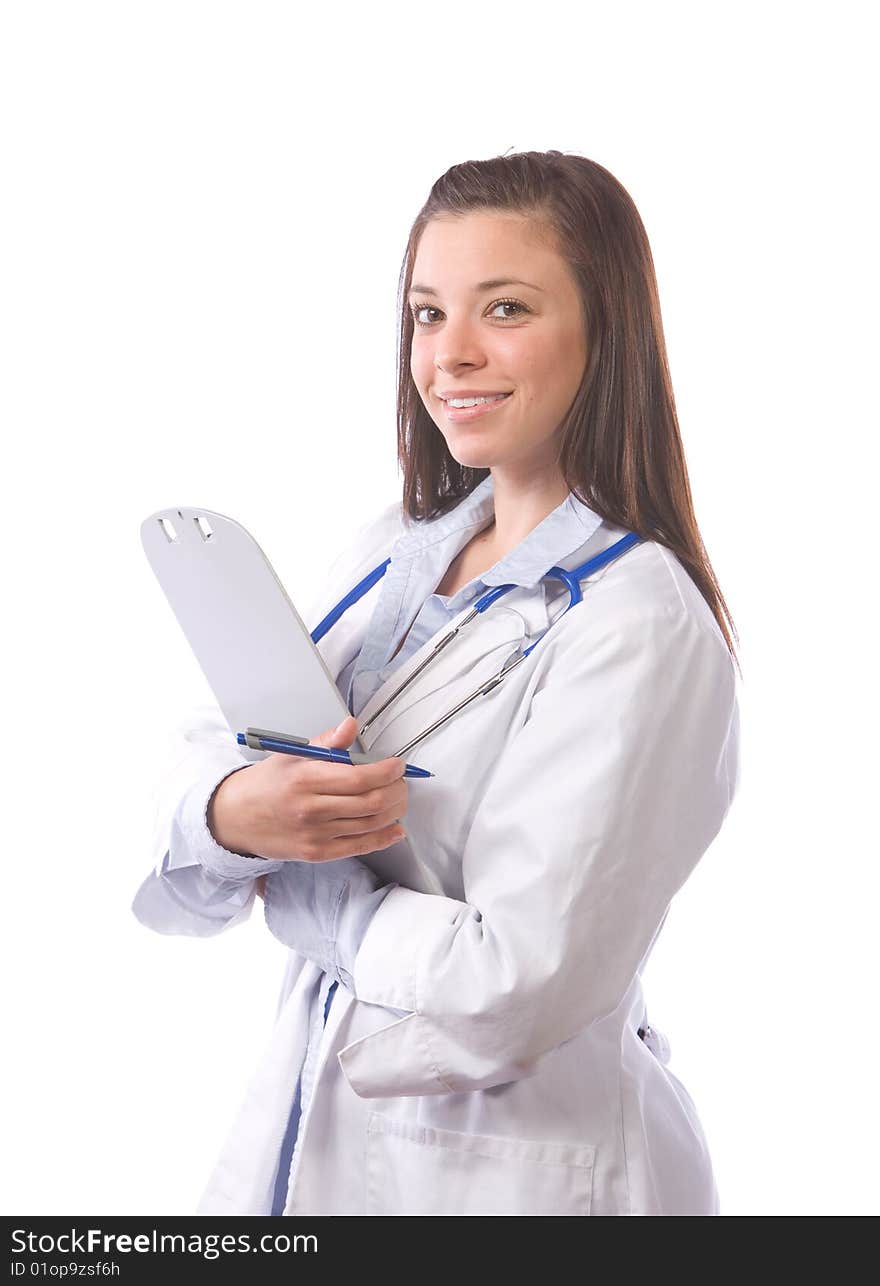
{"type": "Point", "coordinates": [287, 744]}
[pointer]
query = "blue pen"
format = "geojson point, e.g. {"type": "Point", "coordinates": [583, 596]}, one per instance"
{"type": "Point", "coordinates": [287, 744]}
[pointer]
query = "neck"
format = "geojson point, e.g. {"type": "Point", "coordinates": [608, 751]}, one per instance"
{"type": "Point", "coordinates": [521, 503]}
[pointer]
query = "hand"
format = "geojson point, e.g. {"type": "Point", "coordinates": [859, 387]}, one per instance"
{"type": "Point", "coordinates": [290, 808]}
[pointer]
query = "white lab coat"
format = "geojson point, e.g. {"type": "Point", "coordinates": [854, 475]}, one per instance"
{"type": "Point", "coordinates": [488, 1060]}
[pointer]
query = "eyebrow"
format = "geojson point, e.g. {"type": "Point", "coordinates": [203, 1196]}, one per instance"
{"type": "Point", "coordinates": [492, 284]}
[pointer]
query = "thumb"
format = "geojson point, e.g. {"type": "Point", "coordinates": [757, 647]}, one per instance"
{"type": "Point", "coordinates": [340, 737]}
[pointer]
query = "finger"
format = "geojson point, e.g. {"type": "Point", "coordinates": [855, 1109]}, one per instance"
{"type": "Point", "coordinates": [349, 779]}
{"type": "Point", "coordinates": [328, 807]}
{"type": "Point", "coordinates": [361, 824]}
{"type": "Point", "coordinates": [339, 738]}
{"type": "Point", "coordinates": [358, 845]}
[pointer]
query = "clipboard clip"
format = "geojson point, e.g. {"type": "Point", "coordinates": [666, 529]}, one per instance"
{"type": "Point", "coordinates": [251, 735]}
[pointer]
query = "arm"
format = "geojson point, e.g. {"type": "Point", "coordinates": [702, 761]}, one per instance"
{"type": "Point", "coordinates": [201, 888]}
{"type": "Point", "coordinates": [601, 805]}
{"type": "Point", "coordinates": [196, 887]}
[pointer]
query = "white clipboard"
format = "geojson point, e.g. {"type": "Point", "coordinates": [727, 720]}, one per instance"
{"type": "Point", "coordinates": [253, 647]}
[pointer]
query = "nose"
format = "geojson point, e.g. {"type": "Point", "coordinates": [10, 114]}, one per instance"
{"type": "Point", "coordinates": [459, 345]}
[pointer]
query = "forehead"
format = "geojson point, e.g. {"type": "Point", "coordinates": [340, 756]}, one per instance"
{"type": "Point", "coordinates": [457, 251]}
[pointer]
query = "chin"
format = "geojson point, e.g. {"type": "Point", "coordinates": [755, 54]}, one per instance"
{"type": "Point", "coordinates": [472, 459]}
{"type": "Point", "coordinates": [469, 452]}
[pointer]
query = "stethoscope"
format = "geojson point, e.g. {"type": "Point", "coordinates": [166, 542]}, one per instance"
{"type": "Point", "coordinates": [571, 579]}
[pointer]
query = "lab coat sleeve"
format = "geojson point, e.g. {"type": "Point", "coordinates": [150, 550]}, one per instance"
{"type": "Point", "coordinates": [602, 803]}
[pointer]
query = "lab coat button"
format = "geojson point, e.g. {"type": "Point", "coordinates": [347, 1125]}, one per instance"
{"type": "Point", "coordinates": [658, 1044]}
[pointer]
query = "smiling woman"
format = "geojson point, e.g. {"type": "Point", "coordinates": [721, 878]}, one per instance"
{"type": "Point", "coordinates": [462, 1027]}
{"type": "Point", "coordinates": [533, 275]}
{"type": "Point", "coordinates": [529, 349]}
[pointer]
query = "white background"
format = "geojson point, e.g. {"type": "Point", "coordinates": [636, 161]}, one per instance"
{"type": "Point", "coordinates": [205, 209]}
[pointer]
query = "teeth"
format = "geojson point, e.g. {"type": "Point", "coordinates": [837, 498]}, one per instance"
{"type": "Point", "coordinates": [473, 401]}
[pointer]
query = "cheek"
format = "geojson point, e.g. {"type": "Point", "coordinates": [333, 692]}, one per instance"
{"type": "Point", "coordinates": [574, 347]}
{"type": "Point", "coordinates": [421, 369]}
{"type": "Point", "coordinates": [559, 366]}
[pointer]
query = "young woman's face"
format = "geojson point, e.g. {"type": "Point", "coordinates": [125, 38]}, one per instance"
{"type": "Point", "coordinates": [523, 339]}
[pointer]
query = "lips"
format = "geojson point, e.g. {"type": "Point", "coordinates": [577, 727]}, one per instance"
{"type": "Point", "coordinates": [464, 414]}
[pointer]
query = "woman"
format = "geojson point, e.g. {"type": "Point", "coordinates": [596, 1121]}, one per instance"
{"type": "Point", "coordinates": [488, 1049]}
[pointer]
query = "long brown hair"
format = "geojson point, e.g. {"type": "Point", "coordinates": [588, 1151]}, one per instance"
{"type": "Point", "coordinates": [620, 447]}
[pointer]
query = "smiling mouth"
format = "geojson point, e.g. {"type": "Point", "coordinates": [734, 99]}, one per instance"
{"type": "Point", "coordinates": [464, 415]}
{"type": "Point", "coordinates": [492, 397]}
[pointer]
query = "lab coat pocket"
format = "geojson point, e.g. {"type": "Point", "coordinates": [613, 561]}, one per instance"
{"type": "Point", "coordinates": [420, 1169]}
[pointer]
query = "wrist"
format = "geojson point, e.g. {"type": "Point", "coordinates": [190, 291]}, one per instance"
{"type": "Point", "coordinates": [223, 812]}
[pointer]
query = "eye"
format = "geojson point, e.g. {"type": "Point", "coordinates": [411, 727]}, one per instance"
{"type": "Point", "coordinates": [510, 303]}
{"type": "Point", "coordinates": [415, 309]}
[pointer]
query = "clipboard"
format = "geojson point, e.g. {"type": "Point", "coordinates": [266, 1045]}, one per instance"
{"type": "Point", "coordinates": [248, 638]}
{"type": "Point", "coordinates": [254, 649]}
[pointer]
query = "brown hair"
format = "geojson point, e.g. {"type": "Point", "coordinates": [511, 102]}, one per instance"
{"type": "Point", "coordinates": [620, 447]}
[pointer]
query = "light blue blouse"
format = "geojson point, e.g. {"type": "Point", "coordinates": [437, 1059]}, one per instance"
{"type": "Point", "coordinates": [328, 906]}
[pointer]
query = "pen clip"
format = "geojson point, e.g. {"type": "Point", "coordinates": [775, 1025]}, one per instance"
{"type": "Point", "coordinates": [289, 739]}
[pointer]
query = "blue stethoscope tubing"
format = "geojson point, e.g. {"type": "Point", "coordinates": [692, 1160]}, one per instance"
{"type": "Point", "coordinates": [571, 579]}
